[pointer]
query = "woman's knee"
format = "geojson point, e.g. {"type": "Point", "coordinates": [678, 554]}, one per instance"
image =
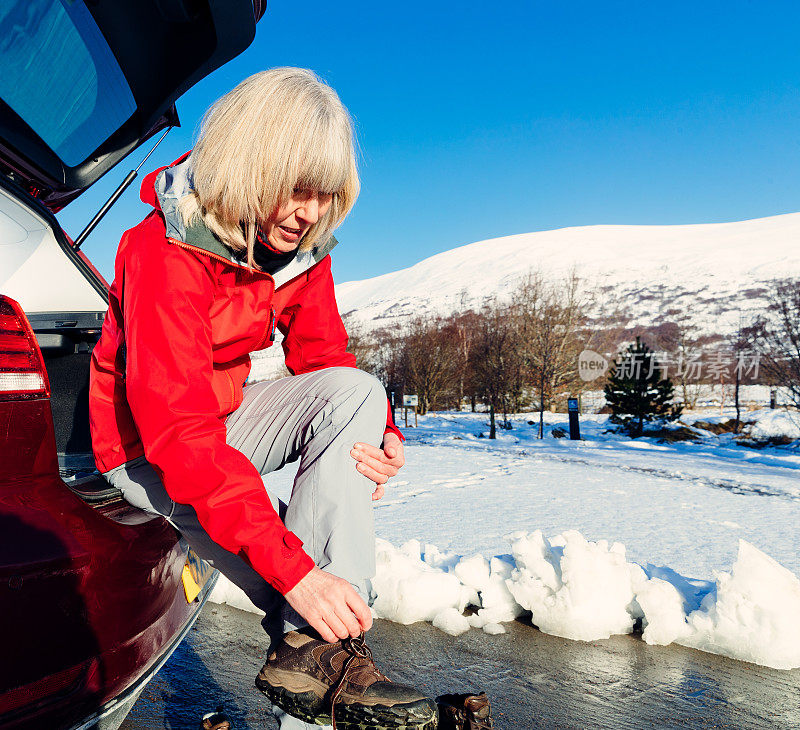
{"type": "Point", "coordinates": [371, 386]}
{"type": "Point", "coordinates": [369, 394]}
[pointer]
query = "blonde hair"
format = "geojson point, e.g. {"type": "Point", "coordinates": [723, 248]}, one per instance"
{"type": "Point", "coordinates": [276, 131]}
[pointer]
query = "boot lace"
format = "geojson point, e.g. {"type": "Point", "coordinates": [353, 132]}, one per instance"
{"type": "Point", "coordinates": [357, 649]}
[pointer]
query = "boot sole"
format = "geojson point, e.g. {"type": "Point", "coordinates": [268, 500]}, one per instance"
{"type": "Point", "coordinates": [420, 715]}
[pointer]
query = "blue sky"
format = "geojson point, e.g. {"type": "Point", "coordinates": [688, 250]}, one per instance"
{"type": "Point", "coordinates": [477, 121]}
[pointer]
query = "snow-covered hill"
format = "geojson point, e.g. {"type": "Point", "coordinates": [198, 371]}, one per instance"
{"type": "Point", "coordinates": [713, 271]}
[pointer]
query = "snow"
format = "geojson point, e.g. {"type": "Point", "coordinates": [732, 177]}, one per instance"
{"type": "Point", "coordinates": [586, 591]}
{"type": "Point", "coordinates": [451, 621]}
{"type": "Point", "coordinates": [408, 589]}
{"type": "Point", "coordinates": [752, 614]}
{"type": "Point", "coordinates": [226, 592]}
{"type": "Point", "coordinates": [573, 587]}
{"type": "Point", "coordinates": [770, 424]}
{"type": "Point", "coordinates": [691, 542]}
{"type": "Point", "coordinates": [663, 611]}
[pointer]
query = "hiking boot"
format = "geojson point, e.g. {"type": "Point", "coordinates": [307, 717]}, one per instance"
{"type": "Point", "coordinates": [464, 712]}
{"type": "Point", "coordinates": [338, 684]}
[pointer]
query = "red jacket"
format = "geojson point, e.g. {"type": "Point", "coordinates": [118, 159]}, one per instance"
{"type": "Point", "coordinates": [182, 320]}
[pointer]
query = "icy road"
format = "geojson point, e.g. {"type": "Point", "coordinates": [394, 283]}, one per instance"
{"type": "Point", "coordinates": [533, 680]}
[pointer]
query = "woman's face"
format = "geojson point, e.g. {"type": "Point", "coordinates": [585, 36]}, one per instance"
{"type": "Point", "coordinates": [286, 227]}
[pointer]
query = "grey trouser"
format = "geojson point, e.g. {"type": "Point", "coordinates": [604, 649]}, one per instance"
{"type": "Point", "coordinates": [316, 418]}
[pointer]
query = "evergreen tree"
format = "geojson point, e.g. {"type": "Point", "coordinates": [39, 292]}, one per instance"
{"type": "Point", "coordinates": [636, 392]}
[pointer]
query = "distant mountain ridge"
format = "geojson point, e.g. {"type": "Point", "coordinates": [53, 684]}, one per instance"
{"type": "Point", "coordinates": [714, 271]}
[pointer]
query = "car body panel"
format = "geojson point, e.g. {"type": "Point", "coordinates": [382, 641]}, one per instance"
{"type": "Point", "coordinates": [91, 596]}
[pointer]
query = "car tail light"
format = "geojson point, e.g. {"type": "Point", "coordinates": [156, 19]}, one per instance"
{"type": "Point", "coordinates": [22, 372]}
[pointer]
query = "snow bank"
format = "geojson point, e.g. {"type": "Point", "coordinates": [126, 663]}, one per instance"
{"type": "Point", "coordinates": [752, 614]}
{"type": "Point", "coordinates": [587, 591]}
{"type": "Point", "coordinates": [572, 587]}
{"type": "Point", "coordinates": [407, 588]}
{"type": "Point", "coordinates": [584, 590]}
{"type": "Point", "coordinates": [774, 423]}
{"type": "Point", "coordinates": [412, 584]}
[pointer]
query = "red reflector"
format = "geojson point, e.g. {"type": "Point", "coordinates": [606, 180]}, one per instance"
{"type": "Point", "coordinates": [15, 351]}
{"type": "Point", "coordinates": [13, 341]}
{"type": "Point", "coordinates": [8, 321]}
{"type": "Point", "coordinates": [22, 372]}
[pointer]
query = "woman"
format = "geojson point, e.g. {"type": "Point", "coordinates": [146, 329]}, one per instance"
{"type": "Point", "coordinates": [238, 245]}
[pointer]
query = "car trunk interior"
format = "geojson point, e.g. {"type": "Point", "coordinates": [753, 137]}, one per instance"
{"type": "Point", "coordinates": [66, 340]}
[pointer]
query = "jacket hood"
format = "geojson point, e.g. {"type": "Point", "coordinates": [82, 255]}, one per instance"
{"type": "Point", "coordinates": [163, 189]}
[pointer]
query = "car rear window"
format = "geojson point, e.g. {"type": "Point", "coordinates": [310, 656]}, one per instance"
{"type": "Point", "coordinates": [60, 76]}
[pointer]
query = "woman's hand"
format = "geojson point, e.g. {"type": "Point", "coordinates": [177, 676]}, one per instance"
{"type": "Point", "coordinates": [379, 464]}
{"type": "Point", "coordinates": [330, 605]}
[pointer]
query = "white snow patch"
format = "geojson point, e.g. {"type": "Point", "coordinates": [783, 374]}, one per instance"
{"type": "Point", "coordinates": [572, 587]}
{"type": "Point", "coordinates": [451, 621]}
{"type": "Point", "coordinates": [407, 589]}
{"type": "Point", "coordinates": [584, 590]}
{"type": "Point", "coordinates": [774, 423]}
{"type": "Point", "coordinates": [664, 612]}
{"type": "Point", "coordinates": [753, 613]}
{"type": "Point", "coordinates": [473, 572]}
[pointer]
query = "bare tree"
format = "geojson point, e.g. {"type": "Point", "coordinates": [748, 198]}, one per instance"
{"type": "Point", "coordinates": [362, 344]}
{"type": "Point", "coordinates": [463, 328]}
{"type": "Point", "coordinates": [495, 357]}
{"type": "Point", "coordinates": [741, 341]}
{"type": "Point", "coordinates": [550, 316]}
{"type": "Point", "coordinates": [679, 336]}
{"type": "Point", "coordinates": [777, 335]}
{"type": "Point", "coordinates": [427, 360]}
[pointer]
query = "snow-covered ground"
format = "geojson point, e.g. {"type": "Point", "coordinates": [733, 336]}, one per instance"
{"type": "Point", "coordinates": [674, 504]}
{"type": "Point", "coordinates": [525, 524]}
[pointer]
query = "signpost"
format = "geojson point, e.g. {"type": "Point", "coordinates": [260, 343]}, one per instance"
{"type": "Point", "coordinates": [574, 426]}
{"type": "Point", "coordinates": [410, 401]}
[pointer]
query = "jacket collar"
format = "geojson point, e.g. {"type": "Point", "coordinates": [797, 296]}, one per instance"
{"type": "Point", "coordinates": [198, 235]}
{"type": "Point", "coordinates": [164, 188]}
